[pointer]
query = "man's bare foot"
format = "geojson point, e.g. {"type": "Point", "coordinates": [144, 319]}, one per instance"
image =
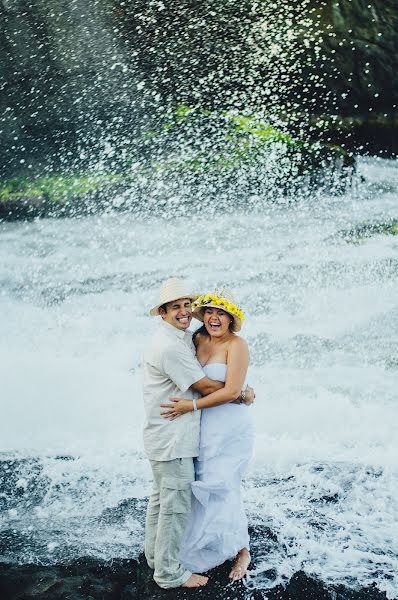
{"type": "Point", "coordinates": [242, 561]}
{"type": "Point", "coordinates": [195, 581]}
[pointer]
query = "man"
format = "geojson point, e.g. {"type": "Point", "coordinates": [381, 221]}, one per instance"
{"type": "Point", "coordinates": [170, 369]}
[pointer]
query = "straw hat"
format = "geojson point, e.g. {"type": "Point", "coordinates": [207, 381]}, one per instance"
{"type": "Point", "coordinates": [219, 298]}
{"type": "Point", "coordinates": [172, 289]}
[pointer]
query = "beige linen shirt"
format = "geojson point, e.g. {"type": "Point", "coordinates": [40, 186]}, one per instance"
{"type": "Point", "coordinates": [169, 369]}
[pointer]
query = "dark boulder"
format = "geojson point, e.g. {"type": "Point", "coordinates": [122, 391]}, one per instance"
{"type": "Point", "coordinates": [89, 579]}
{"type": "Point", "coordinates": [362, 72]}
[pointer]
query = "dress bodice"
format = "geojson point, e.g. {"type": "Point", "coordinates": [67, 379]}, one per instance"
{"type": "Point", "coordinates": [218, 372]}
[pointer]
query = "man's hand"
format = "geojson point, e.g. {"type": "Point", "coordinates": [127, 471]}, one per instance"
{"type": "Point", "coordinates": [178, 407]}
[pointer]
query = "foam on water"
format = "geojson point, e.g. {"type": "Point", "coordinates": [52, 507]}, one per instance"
{"type": "Point", "coordinates": [322, 326]}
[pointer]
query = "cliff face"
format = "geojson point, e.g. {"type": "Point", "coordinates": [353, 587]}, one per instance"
{"type": "Point", "coordinates": [78, 75]}
{"type": "Point", "coordinates": [364, 45]}
{"type": "Point", "coordinates": [231, 52]}
{"type": "Point", "coordinates": [64, 80]}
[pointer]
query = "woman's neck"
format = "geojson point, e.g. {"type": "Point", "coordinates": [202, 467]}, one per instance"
{"type": "Point", "coordinates": [215, 341]}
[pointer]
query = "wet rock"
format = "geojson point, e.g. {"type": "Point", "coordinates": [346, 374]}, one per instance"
{"type": "Point", "coordinates": [129, 506]}
{"type": "Point", "coordinates": [302, 586]}
{"type": "Point", "coordinates": [132, 579]}
{"type": "Point", "coordinates": [81, 579]}
{"type": "Point", "coordinates": [362, 72]}
{"type": "Point", "coordinates": [70, 83]}
{"type": "Point", "coordinates": [62, 80]}
{"type": "Point", "coordinates": [365, 45]}
{"type": "Point", "coordinates": [21, 483]}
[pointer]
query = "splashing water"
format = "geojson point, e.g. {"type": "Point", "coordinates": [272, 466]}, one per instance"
{"type": "Point", "coordinates": [317, 280]}
{"type": "Point", "coordinates": [85, 82]}
{"type": "Point", "coordinates": [322, 327]}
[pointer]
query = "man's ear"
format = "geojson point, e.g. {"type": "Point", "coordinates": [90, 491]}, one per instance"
{"type": "Point", "coordinates": [162, 312]}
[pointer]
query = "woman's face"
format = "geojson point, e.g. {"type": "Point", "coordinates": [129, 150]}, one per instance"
{"type": "Point", "coordinates": [216, 321]}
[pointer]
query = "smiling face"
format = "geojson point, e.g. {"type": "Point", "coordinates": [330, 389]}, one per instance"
{"type": "Point", "coordinates": [178, 313]}
{"type": "Point", "coordinates": [217, 321]}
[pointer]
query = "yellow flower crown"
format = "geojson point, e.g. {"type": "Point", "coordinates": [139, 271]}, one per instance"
{"type": "Point", "coordinates": [224, 304]}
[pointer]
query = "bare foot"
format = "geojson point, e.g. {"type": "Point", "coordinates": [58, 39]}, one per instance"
{"type": "Point", "coordinates": [195, 581]}
{"type": "Point", "coordinates": [242, 561]}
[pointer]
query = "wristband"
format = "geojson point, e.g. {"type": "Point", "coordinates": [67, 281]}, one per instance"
{"type": "Point", "coordinates": [195, 406]}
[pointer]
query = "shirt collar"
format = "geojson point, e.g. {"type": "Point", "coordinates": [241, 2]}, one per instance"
{"type": "Point", "coordinates": [180, 333]}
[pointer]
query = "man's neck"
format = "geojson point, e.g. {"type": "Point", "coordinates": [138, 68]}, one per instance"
{"type": "Point", "coordinates": [173, 328]}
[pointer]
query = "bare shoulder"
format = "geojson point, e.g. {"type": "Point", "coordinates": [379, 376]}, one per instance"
{"type": "Point", "coordinates": [238, 350]}
{"type": "Point", "coordinates": [238, 343]}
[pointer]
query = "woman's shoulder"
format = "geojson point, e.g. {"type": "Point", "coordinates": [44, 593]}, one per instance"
{"type": "Point", "coordinates": [236, 341]}
{"type": "Point", "coordinates": [238, 350]}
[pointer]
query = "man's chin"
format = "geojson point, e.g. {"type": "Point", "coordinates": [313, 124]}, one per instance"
{"type": "Point", "coordinates": [183, 325]}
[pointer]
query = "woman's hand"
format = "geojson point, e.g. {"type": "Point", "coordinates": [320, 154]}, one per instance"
{"type": "Point", "coordinates": [250, 395]}
{"type": "Point", "coordinates": [178, 407]}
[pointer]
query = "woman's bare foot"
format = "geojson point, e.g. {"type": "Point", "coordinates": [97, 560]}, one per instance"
{"type": "Point", "coordinates": [242, 561]}
{"type": "Point", "coordinates": [195, 581]}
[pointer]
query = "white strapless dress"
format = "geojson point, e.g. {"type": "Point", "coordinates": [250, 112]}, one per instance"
{"type": "Point", "coordinates": [217, 527]}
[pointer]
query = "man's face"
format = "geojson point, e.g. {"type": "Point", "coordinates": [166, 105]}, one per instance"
{"type": "Point", "coordinates": [179, 313]}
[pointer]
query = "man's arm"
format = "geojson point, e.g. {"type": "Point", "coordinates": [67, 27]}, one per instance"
{"type": "Point", "coordinates": [238, 361]}
{"type": "Point", "coordinates": [206, 386]}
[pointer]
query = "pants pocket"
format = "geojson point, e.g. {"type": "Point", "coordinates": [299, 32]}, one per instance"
{"type": "Point", "coordinates": [175, 496]}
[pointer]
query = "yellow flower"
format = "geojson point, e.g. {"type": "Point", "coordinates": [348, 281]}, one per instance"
{"type": "Point", "coordinates": [219, 301]}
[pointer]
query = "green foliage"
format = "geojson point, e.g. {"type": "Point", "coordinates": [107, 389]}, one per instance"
{"type": "Point", "coordinates": [192, 146]}
{"type": "Point", "coordinates": [360, 233]}
{"type": "Point", "coordinates": [238, 141]}
{"type": "Point", "coordinates": [253, 127]}
{"type": "Point", "coordinates": [56, 188]}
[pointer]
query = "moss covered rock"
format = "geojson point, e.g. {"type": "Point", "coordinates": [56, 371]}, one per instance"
{"type": "Point", "coordinates": [364, 231]}
{"type": "Point", "coordinates": [224, 157]}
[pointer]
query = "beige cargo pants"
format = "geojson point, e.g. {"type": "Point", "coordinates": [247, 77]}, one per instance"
{"type": "Point", "coordinates": [166, 519]}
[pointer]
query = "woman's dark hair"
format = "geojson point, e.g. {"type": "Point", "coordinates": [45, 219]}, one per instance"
{"type": "Point", "coordinates": [201, 331]}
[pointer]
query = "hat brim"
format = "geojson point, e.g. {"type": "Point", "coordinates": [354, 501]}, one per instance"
{"type": "Point", "coordinates": [198, 314]}
{"type": "Point", "coordinates": [154, 312]}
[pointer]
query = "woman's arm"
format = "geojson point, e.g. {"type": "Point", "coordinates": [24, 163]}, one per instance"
{"type": "Point", "coordinates": [237, 363]}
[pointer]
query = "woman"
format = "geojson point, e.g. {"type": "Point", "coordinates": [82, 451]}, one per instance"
{"type": "Point", "coordinates": [217, 529]}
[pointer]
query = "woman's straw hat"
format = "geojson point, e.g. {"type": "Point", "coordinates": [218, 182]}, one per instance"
{"type": "Point", "coordinates": [219, 298]}
{"type": "Point", "coordinates": [172, 289]}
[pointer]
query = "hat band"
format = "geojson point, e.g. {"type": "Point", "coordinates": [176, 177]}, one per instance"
{"type": "Point", "coordinates": [223, 303]}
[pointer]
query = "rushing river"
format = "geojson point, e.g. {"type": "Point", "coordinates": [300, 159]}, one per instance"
{"type": "Point", "coordinates": [322, 324]}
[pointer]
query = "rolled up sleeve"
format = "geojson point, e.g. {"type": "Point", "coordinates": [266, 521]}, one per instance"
{"type": "Point", "coordinates": [181, 366]}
